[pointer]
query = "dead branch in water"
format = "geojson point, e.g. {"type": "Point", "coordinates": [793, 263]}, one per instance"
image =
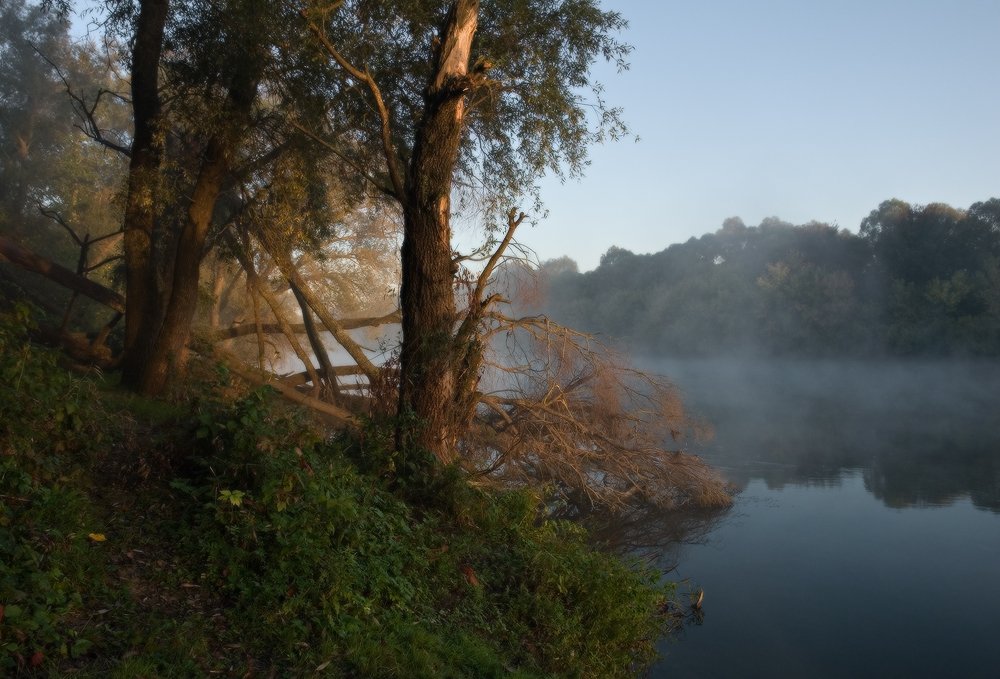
{"type": "Point", "coordinates": [563, 410]}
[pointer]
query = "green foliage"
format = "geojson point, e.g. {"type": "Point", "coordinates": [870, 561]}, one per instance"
{"type": "Point", "coordinates": [44, 553]}
{"type": "Point", "coordinates": [539, 112]}
{"type": "Point", "coordinates": [44, 159]}
{"type": "Point", "coordinates": [44, 406]}
{"type": "Point", "coordinates": [44, 517]}
{"type": "Point", "coordinates": [567, 609]}
{"type": "Point", "coordinates": [915, 281]}
{"type": "Point", "coordinates": [324, 566]}
{"type": "Point", "coordinates": [314, 553]}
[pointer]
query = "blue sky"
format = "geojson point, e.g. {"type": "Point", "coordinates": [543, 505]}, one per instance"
{"type": "Point", "coordinates": [797, 109]}
{"type": "Point", "coordinates": [790, 108]}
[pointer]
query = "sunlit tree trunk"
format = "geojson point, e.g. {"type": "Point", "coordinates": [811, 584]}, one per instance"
{"type": "Point", "coordinates": [427, 384]}
{"type": "Point", "coordinates": [160, 343]}
{"type": "Point", "coordinates": [166, 353]}
{"type": "Point", "coordinates": [319, 349]}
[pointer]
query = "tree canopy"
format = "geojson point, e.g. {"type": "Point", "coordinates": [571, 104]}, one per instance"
{"type": "Point", "coordinates": [272, 159]}
{"type": "Point", "coordinates": [916, 280]}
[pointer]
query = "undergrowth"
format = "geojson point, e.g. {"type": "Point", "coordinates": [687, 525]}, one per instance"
{"type": "Point", "coordinates": [229, 535]}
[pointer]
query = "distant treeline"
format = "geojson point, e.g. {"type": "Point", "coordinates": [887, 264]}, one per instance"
{"type": "Point", "coordinates": [916, 280]}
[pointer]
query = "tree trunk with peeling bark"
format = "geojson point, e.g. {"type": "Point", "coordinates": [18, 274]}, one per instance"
{"type": "Point", "coordinates": [427, 298]}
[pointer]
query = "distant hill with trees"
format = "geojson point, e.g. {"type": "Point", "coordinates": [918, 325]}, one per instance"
{"type": "Point", "coordinates": [915, 280]}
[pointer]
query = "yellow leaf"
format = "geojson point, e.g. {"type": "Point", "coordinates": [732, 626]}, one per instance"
{"type": "Point", "coordinates": [97, 537]}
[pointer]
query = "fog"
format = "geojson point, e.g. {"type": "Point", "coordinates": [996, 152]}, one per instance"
{"type": "Point", "coordinates": [922, 432]}
{"type": "Point", "coordinates": [868, 514]}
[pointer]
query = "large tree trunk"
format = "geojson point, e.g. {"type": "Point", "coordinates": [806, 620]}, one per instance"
{"type": "Point", "coordinates": [168, 343]}
{"type": "Point", "coordinates": [427, 380]}
{"type": "Point", "coordinates": [166, 353]}
{"type": "Point", "coordinates": [143, 311]}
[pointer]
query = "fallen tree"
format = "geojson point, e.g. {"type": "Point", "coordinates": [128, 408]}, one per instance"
{"type": "Point", "coordinates": [563, 411]}
{"type": "Point", "coordinates": [245, 329]}
{"type": "Point", "coordinates": [29, 261]}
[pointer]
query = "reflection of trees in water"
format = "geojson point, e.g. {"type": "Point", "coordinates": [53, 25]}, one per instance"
{"type": "Point", "coordinates": [922, 434]}
{"type": "Point", "coordinates": [936, 471]}
{"type": "Point", "coordinates": [651, 533]}
{"type": "Point", "coordinates": [905, 461]}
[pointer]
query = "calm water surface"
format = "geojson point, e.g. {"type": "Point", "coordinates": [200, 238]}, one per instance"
{"type": "Point", "coordinates": [866, 539]}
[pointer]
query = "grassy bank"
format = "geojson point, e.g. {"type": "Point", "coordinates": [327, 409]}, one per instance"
{"type": "Point", "coordinates": [220, 532]}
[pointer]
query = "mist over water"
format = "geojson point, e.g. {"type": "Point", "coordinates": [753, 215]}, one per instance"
{"type": "Point", "coordinates": [866, 536]}
{"type": "Point", "coordinates": [920, 432]}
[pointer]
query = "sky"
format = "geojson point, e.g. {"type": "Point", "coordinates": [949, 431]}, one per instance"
{"type": "Point", "coordinates": [797, 109]}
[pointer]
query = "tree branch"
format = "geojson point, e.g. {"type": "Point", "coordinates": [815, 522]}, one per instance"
{"type": "Point", "coordinates": [283, 325]}
{"type": "Point", "coordinates": [28, 260]}
{"type": "Point", "coordinates": [338, 415]}
{"type": "Point", "coordinates": [58, 219]}
{"type": "Point", "coordinates": [245, 329]}
{"type": "Point", "coordinates": [86, 113]}
{"type": "Point", "coordinates": [388, 190]}
{"type": "Point", "coordinates": [391, 157]}
{"type": "Point", "coordinates": [106, 260]}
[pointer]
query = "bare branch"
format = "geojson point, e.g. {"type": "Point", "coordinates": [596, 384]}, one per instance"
{"type": "Point", "coordinates": [476, 302]}
{"type": "Point", "coordinates": [564, 411]}
{"type": "Point", "coordinates": [294, 277]}
{"type": "Point", "coordinates": [338, 415]}
{"type": "Point", "coordinates": [299, 328]}
{"type": "Point", "coordinates": [58, 219]}
{"type": "Point", "coordinates": [103, 262]}
{"type": "Point", "coordinates": [254, 282]}
{"type": "Point", "coordinates": [86, 112]}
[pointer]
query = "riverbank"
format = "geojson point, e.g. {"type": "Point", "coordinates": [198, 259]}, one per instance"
{"type": "Point", "coordinates": [219, 532]}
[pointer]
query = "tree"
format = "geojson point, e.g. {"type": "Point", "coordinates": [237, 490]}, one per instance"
{"type": "Point", "coordinates": [560, 266]}
{"type": "Point", "coordinates": [143, 314]}
{"type": "Point", "coordinates": [195, 164]}
{"type": "Point", "coordinates": [807, 308]}
{"type": "Point", "coordinates": [57, 186]}
{"type": "Point", "coordinates": [214, 139]}
{"type": "Point", "coordinates": [935, 261]}
{"type": "Point", "coordinates": [163, 258]}
{"type": "Point", "coordinates": [244, 143]}
{"type": "Point", "coordinates": [33, 124]}
{"type": "Point", "coordinates": [491, 110]}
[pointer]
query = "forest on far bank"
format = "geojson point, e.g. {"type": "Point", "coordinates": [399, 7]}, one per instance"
{"type": "Point", "coordinates": [914, 281]}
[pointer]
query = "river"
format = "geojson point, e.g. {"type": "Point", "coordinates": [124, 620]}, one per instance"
{"type": "Point", "coordinates": [865, 541]}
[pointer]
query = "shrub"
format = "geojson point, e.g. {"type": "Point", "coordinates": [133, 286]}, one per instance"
{"type": "Point", "coordinates": [45, 520]}
{"type": "Point", "coordinates": [336, 555]}
{"type": "Point", "coordinates": [323, 565]}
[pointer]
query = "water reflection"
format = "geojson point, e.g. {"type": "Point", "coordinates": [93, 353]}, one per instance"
{"type": "Point", "coordinates": [816, 572]}
{"type": "Point", "coordinates": [651, 533]}
{"type": "Point", "coordinates": [827, 581]}
{"type": "Point", "coordinates": [922, 434]}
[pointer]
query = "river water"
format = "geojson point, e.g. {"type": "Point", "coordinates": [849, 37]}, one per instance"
{"type": "Point", "coordinates": [865, 541]}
